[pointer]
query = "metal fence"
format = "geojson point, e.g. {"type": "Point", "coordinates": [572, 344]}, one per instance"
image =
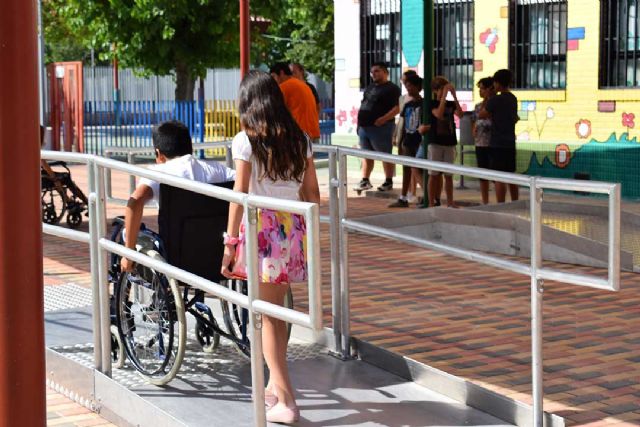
{"type": "Point", "coordinates": [219, 84]}
{"type": "Point", "coordinates": [340, 226]}
{"type": "Point", "coordinates": [100, 246]}
{"type": "Point", "coordinates": [128, 124]}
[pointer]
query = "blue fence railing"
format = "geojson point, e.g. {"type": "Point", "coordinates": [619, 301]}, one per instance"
{"type": "Point", "coordinates": [129, 123]}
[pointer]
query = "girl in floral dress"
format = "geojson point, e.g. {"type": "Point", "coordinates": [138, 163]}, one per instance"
{"type": "Point", "coordinates": [272, 157]}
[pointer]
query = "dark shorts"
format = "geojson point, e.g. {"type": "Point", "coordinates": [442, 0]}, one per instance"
{"type": "Point", "coordinates": [409, 150]}
{"type": "Point", "coordinates": [376, 138]}
{"type": "Point", "coordinates": [482, 157]}
{"type": "Point", "coordinates": [502, 159]}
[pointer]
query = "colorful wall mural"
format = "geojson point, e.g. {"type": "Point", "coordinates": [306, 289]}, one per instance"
{"type": "Point", "coordinates": [582, 129]}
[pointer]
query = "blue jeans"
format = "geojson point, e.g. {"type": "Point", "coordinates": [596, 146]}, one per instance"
{"type": "Point", "coordinates": [376, 138]}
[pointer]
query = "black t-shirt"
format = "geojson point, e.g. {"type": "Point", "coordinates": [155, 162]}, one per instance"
{"type": "Point", "coordinates": [412, 115]}
{"type": "Point", "coordinates": [443, 132]}
{"type": "Point", "coordinates": [377, 101]}
{"type": "Point", "coordinates": [504, 115]}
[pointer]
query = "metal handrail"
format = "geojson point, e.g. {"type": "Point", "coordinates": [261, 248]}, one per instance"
{"type": "Point", "coordinates": [340, 226]}
{"type": "Point", "coordinates": [97, 166]}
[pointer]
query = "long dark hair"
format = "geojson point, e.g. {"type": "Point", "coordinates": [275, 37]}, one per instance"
{"type": "Point", "coordinates": [277, 142]}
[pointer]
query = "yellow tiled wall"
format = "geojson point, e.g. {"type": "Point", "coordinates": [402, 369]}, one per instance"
{"type": "Point", "coordinates": [571, 114]}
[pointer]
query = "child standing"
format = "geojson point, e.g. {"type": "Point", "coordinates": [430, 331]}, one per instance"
{"type": "Point", "coordinates": [502, 110]}
{"type": "Point", "coordinates": [273, 157]}
{"type": "Point", "coordinates": [442, 141]}
{"type": "Point", "coordinates": [410, 135]}
{"type": "Point", "coordinates": [482, 133]}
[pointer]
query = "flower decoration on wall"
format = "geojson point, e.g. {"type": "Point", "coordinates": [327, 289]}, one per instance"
{"type": "Point", "coordinates": [489, 38]}
{"type": "Point", "coordinates": [583, 128]}
{"type": "Point", "coordinates": [628, 121]}
{"type": "Point", "coordinates": [550, 113]}
{"type": "Point", "coordinates": [563, 155]}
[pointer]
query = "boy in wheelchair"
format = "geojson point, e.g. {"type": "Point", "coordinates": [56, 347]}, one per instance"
{"type": "Point", "coordinates": [148, 308]}
{"type": "Point", "coordinates": [174, 156]}
{"type": "Point", "coordinates": [59, 194]}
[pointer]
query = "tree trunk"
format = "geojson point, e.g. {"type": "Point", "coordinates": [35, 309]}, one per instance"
{"type": "Point", "coordinates": [185, 83]}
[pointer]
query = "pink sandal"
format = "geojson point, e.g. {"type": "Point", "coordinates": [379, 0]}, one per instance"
{"type": "Point", "coordinates": [282, 414]}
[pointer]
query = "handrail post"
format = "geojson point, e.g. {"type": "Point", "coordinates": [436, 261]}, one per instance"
{"type": "Point", "coordinates": [108, 191]}
{"type": "Point", "coordinates": [103, 279]}
{"type": "Point", "coordinates": [614, 238]}
{"type": "Point", "coordinates": [334, 237]}
{"type": "Point", "coordinates": [228, 157]}
{"type": "Point", "coordinates": [344, 259]}
{"type": "Point", "coordinates": [257, 360]}
{"type": "Point", "coordinates": [94, 254]}
{"type": "Point", "coordinates": [535, 206]}
{"type": "Point", "coordinates": [132, 178]}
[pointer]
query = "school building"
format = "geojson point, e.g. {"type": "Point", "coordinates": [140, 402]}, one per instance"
{"type": "Point", "coordinates": [576, 65]}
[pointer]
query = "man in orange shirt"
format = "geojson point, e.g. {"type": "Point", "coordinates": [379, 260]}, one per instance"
{"type": "Point", "coordinates": [299, 100]}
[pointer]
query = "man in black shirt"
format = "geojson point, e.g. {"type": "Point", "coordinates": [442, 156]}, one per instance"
{"type": "Point", "coordinates": [502, 109]}
{"type": "Point", "coordinates": [376, 123]}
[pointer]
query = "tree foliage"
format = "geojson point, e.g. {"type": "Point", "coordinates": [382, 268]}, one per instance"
{"type": "Point", "coordinates": [161, 37]}
{"type": "Point", "coordinates": [186, 37]}
{"type": "Point", "coordinates": [302, 31]}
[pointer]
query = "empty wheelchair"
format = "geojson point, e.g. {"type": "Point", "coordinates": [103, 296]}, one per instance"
{"type": "Point", "coordinates": [60, 195]}
{"type": "Point", "coordinates": [149, 309]}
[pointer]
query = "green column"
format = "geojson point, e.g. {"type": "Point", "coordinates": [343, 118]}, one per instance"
{"type": "Point", "coordinates": [428, 75]}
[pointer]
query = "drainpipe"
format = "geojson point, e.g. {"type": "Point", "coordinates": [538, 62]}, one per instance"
{"type": "Point", "coordinates": [22, 350]}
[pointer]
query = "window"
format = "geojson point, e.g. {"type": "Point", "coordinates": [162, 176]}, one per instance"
{"type": "Point", "coordinates": [619, 44]}
{"type": "Point", "coordinates": [538, 43]}
{"type": "Point", "coordinates": [379, 38]}
{"type": "Point", "coordinates": [453, 40]}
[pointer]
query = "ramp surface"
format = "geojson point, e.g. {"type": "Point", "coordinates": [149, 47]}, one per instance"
{"type": "Point", "coordinates": [215, 389]}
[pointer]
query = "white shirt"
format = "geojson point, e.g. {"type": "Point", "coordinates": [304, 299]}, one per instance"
{"type": "Point", "coordinates": [241, 149]}
{"type": "Point", "coordinates": [191, 168]}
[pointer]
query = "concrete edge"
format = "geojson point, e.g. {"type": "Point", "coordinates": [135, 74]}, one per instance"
{"type": "Point", "coordinates": [102, 395]}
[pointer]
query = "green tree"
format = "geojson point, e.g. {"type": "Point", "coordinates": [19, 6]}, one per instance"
{"type": "Point", "coordinates": [302, 31]}
{"type": "Point", "coordinates": [180, 37]}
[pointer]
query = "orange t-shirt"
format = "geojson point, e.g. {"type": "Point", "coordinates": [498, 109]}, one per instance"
{"type": "Point", "coordinates": [302, 105]}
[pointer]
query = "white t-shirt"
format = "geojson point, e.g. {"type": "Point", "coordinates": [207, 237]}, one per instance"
{"type": "Point", "coordinates": [191, 168]}
{"type": "Point", "coordinates": [241, 149]}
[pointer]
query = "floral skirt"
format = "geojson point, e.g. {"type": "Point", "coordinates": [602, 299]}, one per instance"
{"type": "Point", "coordinates": [281, 247]}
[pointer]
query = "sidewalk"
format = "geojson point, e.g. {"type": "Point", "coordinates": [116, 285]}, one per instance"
{"type": "Point", "coordinates": [63, 412]}
{"type": "Point", "coordinates": [465, 318]}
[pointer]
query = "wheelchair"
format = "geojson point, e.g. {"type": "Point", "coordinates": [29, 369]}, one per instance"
{"type": "Point", "coordinates": [61, 195]}
{"type": "Point", "coordinates": [148, 309]}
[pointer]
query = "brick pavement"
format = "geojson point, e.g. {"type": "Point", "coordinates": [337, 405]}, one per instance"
{"type": "Point", "coordinates": [63, 412]}
{"type": "Point", "coordinates": [471, 321]}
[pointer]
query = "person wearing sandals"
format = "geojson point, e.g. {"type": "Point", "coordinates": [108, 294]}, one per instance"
{"type": "Point", "coordinates": [273, 157]}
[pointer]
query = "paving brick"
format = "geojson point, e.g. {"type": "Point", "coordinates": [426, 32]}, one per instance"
{"type": "Point", "coordinates": [479, 313]}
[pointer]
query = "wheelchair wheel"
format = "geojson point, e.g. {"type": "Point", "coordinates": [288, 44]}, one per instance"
{"type": "Point", "coordinates": [74, 219]}
{"type": "Point", "coordinates": [117, 349]}
{"type": "Point", "coordinates": [207, 337]}
{"type": "Point", "coordinates": [53, 206]}
{"type": "Point", "coordinates": [236, 319]}
{"type": "Point", "coordinates": [151, 322]}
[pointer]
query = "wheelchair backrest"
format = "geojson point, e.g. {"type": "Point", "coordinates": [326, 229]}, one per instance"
{"type": "Point", "coordinates": [191, 227]}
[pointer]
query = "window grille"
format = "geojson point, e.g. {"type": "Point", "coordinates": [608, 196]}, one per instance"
{"type": "Point", "coordinates": [538, 43]}
{"type": "Point", "coordinates": [453, 40]}
{"type": "Point", "coordinates": [380, 38]}
{"type": "Point", "coordinates": [619, 44]}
